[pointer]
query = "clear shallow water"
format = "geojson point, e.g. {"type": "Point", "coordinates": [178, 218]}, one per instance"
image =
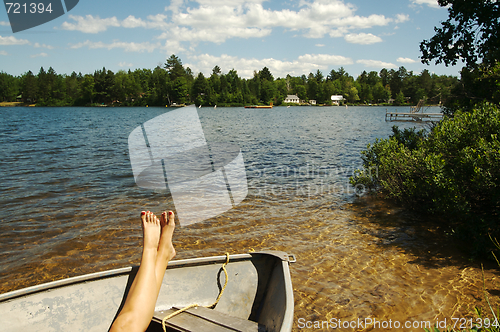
{"type": "Point", "coordinates": [70, 206]}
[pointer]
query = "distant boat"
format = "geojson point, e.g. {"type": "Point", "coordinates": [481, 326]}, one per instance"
{"type": "Point", "coordinates": [177, 105]}
{"type": "Point", "coordinates": [215, 106]}
{"type": "Point", "coordinates": [259, 106]}
{"type": "Point", "coordinates": [259, 296]}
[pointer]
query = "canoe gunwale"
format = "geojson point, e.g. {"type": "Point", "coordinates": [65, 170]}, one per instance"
{"type": "Point", "coordinates": [287, 323]}
{"type": "Point", "coordinates": [65, 282]}
{"type": "Point", "coordinates": [126, 270]}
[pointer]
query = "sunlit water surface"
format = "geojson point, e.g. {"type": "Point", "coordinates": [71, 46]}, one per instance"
{"type": "Point", "coordinates": [70, 206]}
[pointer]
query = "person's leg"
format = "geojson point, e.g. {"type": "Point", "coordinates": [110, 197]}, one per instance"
{"type": "Point", "coordinates": [166, 249]}
{"type": "Point", "coordinates": [139, 306]}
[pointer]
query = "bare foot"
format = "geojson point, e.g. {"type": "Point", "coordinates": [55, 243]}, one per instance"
{"type": "Point", "coordinates": [139, 305]}
{"type": "Point", "coordinates": [150, 229]}
{"type": "Point", "coordinates": [166, 249]}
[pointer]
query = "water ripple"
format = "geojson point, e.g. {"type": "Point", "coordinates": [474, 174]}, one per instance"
{"type": "Point", "coordinates": [70, 206]}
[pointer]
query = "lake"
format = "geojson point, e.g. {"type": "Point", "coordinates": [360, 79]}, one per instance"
{"type": "Point", "coordinates": [70, 206]}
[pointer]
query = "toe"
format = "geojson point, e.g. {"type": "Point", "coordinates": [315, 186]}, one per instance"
{"type": "Point", "coordinates": [171, 218]}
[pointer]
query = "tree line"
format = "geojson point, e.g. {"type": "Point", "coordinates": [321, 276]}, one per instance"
{"type": "Point", "coordinates": [175, 83]}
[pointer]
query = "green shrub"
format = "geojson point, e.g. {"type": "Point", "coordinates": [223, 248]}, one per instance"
{"type": "Point", "coordinates": [452, 170]}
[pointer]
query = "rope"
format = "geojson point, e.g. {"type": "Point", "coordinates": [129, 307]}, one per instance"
{"type": "Point", "coordinates": [164, 320]}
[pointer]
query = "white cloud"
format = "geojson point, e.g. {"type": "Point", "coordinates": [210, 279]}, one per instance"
{"type": "Point", "coordinates": [316, 16]}
{"type": "Point", "coordinates": [11, 40]}
{"type": "Point", "coordinates": [325, 59]}
{"type": "Point", "coordinates": [279, 68]}
{"type": "Point", "coordinates": [172, 46]}
{"type": "Point", "coordinates": [90, 24]}
{"type": "Point", "coordinates": [125, 64]}
{"type": "Point", "coordinates": [400, 18]}
{"type": "Point", "coordinates": [38, 45]}
{"type": "Point", "coordinates": [228, 2]}
{"type": "Point", "coordinates": [158, 21]}
{"type": "Point", "coordinates": [376, 64]}
{"type": "Point", "coordinates": [218, 34]}
{"type": "Point", "coordinates": [132, 22]}
{"type": "Point", "coordinates": [218, 20]}
{"type": "Point", "coordinates": [4, 53]}
{"type": "Point", "coordinates": [215, 21]}
{"type": "Point", "coordinates": [430, 3]}
{"type": "Point", "coordinates": [4, 23]}
{"type": "Point", "coordinates": [126, 46]}
{"type": "Point", "coordinates": [38, 55]}
{"type": "Point", "coordinates": [362, 38]}
{"type": "Point", "coordinates": [405, 60]}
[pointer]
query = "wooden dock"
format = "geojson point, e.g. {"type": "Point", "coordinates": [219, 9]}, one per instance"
{"type": "Point", "coordinates": [416, 114]}
{"type": "Point", "coordinates": [399, 116]}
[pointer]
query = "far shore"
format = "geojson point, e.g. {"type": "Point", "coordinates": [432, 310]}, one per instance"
{"type": "Point", "coordinates": [21, 104]}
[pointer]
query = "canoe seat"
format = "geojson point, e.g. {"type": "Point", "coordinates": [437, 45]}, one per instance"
{"type": "Point", "coordinates": [204, 319]}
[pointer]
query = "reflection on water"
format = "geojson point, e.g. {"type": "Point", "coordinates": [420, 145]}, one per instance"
{"type": "Point", "coordinates": [70, 206]}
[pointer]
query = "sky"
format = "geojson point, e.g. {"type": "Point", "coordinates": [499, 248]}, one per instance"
{"type": "Point", "coordinates": [293, 37]}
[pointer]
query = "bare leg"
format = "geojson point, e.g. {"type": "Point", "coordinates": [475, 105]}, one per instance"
{"type": "Point", "coordinates": [139, 306]}
{"type": "Point", "coordinates": [166, 249]}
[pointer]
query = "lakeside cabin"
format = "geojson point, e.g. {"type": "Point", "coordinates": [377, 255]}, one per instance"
{"type": "Point", "coordinates": [337, 99]}
{"type": "Point", "coordinates": [292, 99]}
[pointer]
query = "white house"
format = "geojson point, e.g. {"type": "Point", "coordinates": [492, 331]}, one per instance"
{"type": "Point", "coordinates": [336, 99]}
{"type": "Point", "coordinates": [292, 99]}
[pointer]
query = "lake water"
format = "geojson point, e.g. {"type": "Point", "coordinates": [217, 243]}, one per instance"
{"type": "Point", "coordinates": [70, 206]}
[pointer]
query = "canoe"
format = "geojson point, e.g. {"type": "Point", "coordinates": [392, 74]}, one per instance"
{"type": "Point", "coordinates": [258, 297]}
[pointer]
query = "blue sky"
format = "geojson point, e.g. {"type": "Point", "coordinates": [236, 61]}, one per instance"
{"type": "Point", "coordinates": [289, 37]}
